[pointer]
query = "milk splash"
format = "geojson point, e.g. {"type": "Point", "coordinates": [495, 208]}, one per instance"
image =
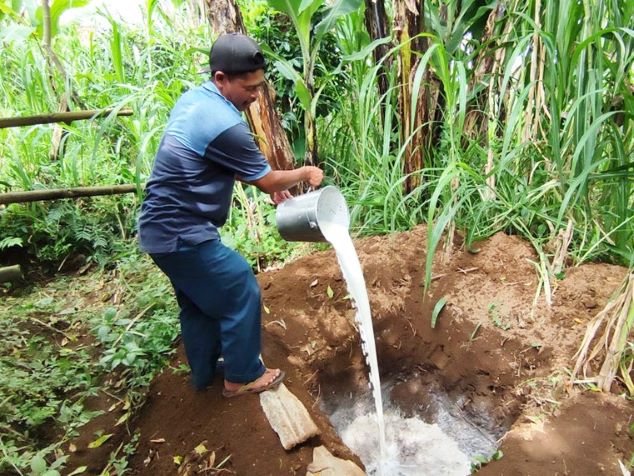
{"type": "Point", "coordinates": [338, 236]}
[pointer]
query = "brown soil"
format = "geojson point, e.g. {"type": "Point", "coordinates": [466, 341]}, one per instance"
{"type": "Point", "coordinates": [493, 351]}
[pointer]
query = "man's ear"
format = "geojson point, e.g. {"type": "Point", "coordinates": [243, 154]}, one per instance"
{"type": "Point", "coordinates": [219, 76]}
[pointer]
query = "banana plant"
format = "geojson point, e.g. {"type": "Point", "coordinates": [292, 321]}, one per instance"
{"type": "Point", "coordinates": [56, 8]}
{"type": "Point", "coordinates": [310, 34]}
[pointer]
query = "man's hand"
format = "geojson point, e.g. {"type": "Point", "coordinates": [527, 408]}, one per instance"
{"type": "Point", "coordinates": [314, 175]}
{"type": "Point", "coordinates": [279, 197]}
{"type": "Point", "coordinates": [281, 180]}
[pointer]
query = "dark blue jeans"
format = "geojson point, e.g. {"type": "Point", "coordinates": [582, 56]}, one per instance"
{"type": "Point", "coordinates": [220, 303]}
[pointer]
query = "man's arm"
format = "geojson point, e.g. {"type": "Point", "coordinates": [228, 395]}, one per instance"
{"type": "Point", "coordinates": [279, 180]}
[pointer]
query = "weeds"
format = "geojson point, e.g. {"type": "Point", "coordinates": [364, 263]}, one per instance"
{"type": "Point", "coordinates": [73, 340]}
{"type": "Point", "coordinates": [495, 317]}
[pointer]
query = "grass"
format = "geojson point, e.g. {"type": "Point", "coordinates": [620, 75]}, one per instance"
{"type": "Point", "coordinates": [61, 342]}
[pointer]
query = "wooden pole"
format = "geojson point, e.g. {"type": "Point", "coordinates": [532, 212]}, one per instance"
{"type": "Point", "coordinates": [10, 273]}
{"type": "Point", "coordinates": [54, 194]}
{"type": "Point", "coordinates": [60, 117]}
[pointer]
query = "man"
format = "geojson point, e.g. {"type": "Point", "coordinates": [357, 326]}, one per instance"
{"type": "Point", "coordinates": [205, 147]}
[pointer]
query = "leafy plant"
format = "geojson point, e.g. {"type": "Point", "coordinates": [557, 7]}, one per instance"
{"type": "Point", "coordinates": [310, 36]}
{"type": "Point", "coordinates": [480, 460]}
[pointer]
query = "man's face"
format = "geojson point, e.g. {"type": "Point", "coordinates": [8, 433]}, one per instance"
{"type": "Point", "coordinates": [241, 89]}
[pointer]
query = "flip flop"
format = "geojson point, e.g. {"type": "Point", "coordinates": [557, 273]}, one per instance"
{"type": "Point", "coordinates": [249, 388]}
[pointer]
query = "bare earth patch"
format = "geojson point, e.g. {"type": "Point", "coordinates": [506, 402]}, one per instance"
{"type": "Point", "coordinates": [499, 357]}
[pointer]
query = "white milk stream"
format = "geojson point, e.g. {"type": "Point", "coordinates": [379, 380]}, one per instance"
{"type": "Point", "coordinates": [412, 447]}
{"type": "Point", "coordinates": [338, 236]}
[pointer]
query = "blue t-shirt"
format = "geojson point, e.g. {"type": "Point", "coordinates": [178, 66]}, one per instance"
{"type": "Point", "coordinates": [206, 145]}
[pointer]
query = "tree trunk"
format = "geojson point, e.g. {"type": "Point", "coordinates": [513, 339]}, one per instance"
{"type": "Point", "coordinates": [476, 120]}
{"type": "Point", "coordinates": [225, 17]}
{"type": "Point", "coordinates": [409, 22]}
{"type": "Point", "coordinates": [376, 24]}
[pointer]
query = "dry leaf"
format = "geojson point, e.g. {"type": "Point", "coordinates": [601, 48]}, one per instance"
{"type": "Point", "coordinates": [212, 460]}
{"type": "Point", "coordinates": [99, 441]}
{"type": "Point", "coordinates": [122, 419]}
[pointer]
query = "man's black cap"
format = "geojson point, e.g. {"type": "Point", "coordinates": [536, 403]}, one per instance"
{"type": "Point", "coordinates": [235, 53]}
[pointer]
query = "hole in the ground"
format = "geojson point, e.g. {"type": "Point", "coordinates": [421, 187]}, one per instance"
{"type": "Point", "coordinates": [428, 430]}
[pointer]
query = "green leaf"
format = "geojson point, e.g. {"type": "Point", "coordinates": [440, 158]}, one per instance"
{"type": "Point", "coordinates": [116, 51]}
{"type": "Point", "coordinates": [80, 470]}
{"type": "Point", "coordinates": [122, 419]}
{"type": "Point", "coordinates": [38, 464]}
{"type": "Point", "coordinates": [7, 10]}
{"type": "Point", "coordinates": [329, 292]}
{"type": "Point", "coordinates": [150, 7]}
{"type": "Point", "coordinates": [10, 241]}
{"type": "Point", "coordinates": [309, 4]}
{"type": "Point", "coordinates": [51, 472]}
{"type": "Point", "coordinates": [109, 313]}
{"type": "Point", "coordinates": [336, 11]}
{"type": "Point", "coordinates": [57, 7]}
{"type": "Point", "coordinates": [286, 70]}
{"type": "Point", "coordinates": [303, 94]}
{"type": "Point", "coordinates": [291, 8]}
{"type": "Point", "coordinates": [437, 308]}
{"type": "Point", "coordinates": [99, 441]}
{"type": "Point", "coordinates": [365, 51]}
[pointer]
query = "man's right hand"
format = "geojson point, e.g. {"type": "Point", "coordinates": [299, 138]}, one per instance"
{"type": "Point", "coordinates": [279, 180]}
{"type": "Point", "coordinates": [313, 175]}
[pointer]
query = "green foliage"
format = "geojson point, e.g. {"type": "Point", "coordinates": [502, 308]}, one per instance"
{"type": "Point", "coordinates": [59, 344]}
{"type": "Point", "coordinates": [40, 382]}
{"type": "Point", "coordinates": [438, 307]}
{"type": "Point", "coordinates": [250, 229]}
{"type": "Point", "coordinates": [57, 8]}
{"type": "Point", "coordinates": [276, 32]}
{"type": "Point", "coordinates": [310, 31]}
{"type": "Point", "coordinates": [479, 460]}
{"type": "Point", "coordinates": [568, 161]}
{"type": "Point", "coordinates": [134, 345]}
{"type": "Point", "coordinates": [53, 231]}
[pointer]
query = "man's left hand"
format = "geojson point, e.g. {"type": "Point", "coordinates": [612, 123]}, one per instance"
{"type": "Point", "coordinates": [279, 197]}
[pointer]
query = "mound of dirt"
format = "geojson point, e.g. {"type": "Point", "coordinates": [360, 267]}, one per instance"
{"type": "Point", "coordinates": [497, 350]}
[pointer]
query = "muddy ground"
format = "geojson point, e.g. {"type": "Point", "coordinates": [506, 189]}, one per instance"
{"type": "Point", "coordinates": [498, 356]}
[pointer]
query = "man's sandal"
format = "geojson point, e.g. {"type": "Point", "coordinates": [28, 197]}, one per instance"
{"type": "Point", "coordinates": [251, 388]}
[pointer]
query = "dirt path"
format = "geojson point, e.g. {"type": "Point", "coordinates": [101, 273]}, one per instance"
{"type": "Point", "coordinates": [497, 356]}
